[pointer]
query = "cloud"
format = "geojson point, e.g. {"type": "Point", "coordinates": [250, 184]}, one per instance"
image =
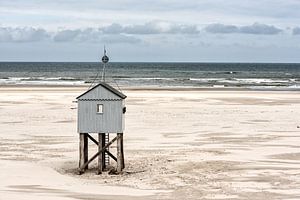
{"type": "Point", "coordinates": [221, 28]}
{"type": "Point", "coordinates": [296, 31]}
{"type": "Point", "coordinates": [29, 34]}
{"type": "Point", "coordinates": [256, 28]}
{"type": "Point", "coordinates": [260, 29]}
{"type": "Point", "coordinates": [134, 33]}
{"type": "Point", "coordinates": [149, 28]}
{"type": "Point", "coordinates": [77, 35]}
{"type": "Point", "coordinates": [125, 32]}
{"type": "Point", "coordinates": [144, 29]}
{"type": "Point", "coordinates": [119, 39]}
{"type": "Point", "coordinates": [184, 29]}
{"type": "Point", "coordinates": [66, 35]}
{"type": "Point", "coordinates": [26, 34]}
{"type": "Point", "coordinates": [93, 35]}
{"type": "Point", "coordinates": [112, 29]}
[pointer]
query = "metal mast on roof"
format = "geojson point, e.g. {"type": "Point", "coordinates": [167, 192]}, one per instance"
{"type": "Point", "coordinates": [105, 60]}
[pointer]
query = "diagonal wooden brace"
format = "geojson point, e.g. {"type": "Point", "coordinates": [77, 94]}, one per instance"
{"type": "Point", "coordinates": [111, 155]}
{"type": "Point", "coordinates": [108, 153]}
{"type": "Point", "coordinates": [81, 169]}
{"type": "Point", "coordinates": [91, 138]}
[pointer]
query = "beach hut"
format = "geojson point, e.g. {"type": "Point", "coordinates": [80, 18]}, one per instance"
{"type": "Point", "coordinates": [101, 111]}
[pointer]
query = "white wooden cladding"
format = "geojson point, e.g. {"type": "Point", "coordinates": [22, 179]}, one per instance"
{"type": "Point", "coordinates": [111, 120]}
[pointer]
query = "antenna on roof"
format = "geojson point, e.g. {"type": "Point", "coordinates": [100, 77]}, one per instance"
{"type": "Point", "coordinates": [105, 60]}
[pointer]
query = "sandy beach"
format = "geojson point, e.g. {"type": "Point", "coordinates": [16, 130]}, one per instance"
{"type": "Point", "coordinates": [179, 144]}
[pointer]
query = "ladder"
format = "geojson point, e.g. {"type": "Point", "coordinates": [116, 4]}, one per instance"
{"type": "Point", "coordinates": [106, 155]}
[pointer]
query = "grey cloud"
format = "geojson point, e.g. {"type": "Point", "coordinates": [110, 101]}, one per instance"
{"type": "Point", "coordinates": [117, 33]}
{"type": "Point", "coordinates": [120, 39]}
{"type": "Point", "coordinates": [92, 35]}
{"type": "Point", "coordinates": [296, 31]}
{"type": "Point", "coordinates": [27, 34]}
{"type": "Point", "coordinates": [150, 28]}
{"type": "Point", "coordinates": [112, 29]}
{"type": "Point", "coordinates": [221, 28]}
{"type": "Point", "coordinates": [77, 35]}
{"type": "Point", "coordinates": [122, 33]}
{"type": "Point", "coordinates": [184, 29]}
{"type": "Point", "coordinates": [256, 28]}
{"type": "Point", "coordinates": [262, 29]}
{"type": "Point", "coordinates": [66, 35]}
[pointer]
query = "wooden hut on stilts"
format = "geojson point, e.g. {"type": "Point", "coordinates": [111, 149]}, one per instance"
{"type": "Point", "coordinates": [101, 112]}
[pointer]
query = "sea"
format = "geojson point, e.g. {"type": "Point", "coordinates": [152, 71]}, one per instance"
{"type": "Point", "coordinates": [284, 76]}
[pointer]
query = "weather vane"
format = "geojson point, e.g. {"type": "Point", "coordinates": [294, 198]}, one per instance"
{"type": "Point", "coordinates": [105, 60]}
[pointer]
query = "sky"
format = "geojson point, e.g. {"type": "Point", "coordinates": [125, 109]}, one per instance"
{"type": "Point", "coordinates": [150, 30]}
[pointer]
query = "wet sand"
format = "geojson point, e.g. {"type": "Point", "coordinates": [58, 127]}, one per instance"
{"type": "Point", "coordinates": [179, 144]}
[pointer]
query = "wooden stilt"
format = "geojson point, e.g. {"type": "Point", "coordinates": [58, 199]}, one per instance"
{"type": "Point", "coordinates": [120, 156]}
{"type": "Point", "coordinates": [100, 157]}
{"type": "Point", "coordinates": [83, 150]}
{"type": "Point", "coordinates": [103, 153]}
{"type": "Point", "coordinates": [122, 152]}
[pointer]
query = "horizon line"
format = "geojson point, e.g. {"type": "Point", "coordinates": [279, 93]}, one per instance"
{"type": "Point", "coordinates": [235, 62]}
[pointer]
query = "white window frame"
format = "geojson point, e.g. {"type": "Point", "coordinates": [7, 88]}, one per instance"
{"type": "Point", "coordinates": [99, 105]}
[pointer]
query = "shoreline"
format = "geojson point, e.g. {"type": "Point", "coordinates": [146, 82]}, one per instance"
{"type": "Point", "coordinates": [147, 88]}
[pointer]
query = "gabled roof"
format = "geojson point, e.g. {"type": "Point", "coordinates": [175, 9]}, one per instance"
{"type": "Point", "coordinates": [108, 87]}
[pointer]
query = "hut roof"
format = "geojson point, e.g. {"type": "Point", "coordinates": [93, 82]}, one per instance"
{"type": "Point", "coordinates": [108, 87]}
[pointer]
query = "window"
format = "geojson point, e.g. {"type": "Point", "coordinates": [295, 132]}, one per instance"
{"type": "Point", "coordinates": [100, 108]}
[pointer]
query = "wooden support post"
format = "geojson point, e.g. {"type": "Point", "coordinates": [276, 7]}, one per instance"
{"type": "Point", "coordinates": [83, 150]}
{"type": "Point", "coordinates": [122, 151]}
{"type": "Point", "coordinates": [100, 157]}
{"type": "Point", "coordinates": [103, 153]}
{"type": "Point", "coordinates": [120, 155]}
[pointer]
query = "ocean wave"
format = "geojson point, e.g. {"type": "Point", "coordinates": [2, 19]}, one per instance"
{"type": "Point", "coordinates": [246, 81]}
{"type": "Point", "coordinates": [295, 86]}
{"type": "Point", "coordinates": [213, 82]}
{"type": "Point", "coordinates": [146, 78]}
{"type": "Point", "coordinates": [40, 81]}
{"type": "Point", "coordinates": [158, 81]}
